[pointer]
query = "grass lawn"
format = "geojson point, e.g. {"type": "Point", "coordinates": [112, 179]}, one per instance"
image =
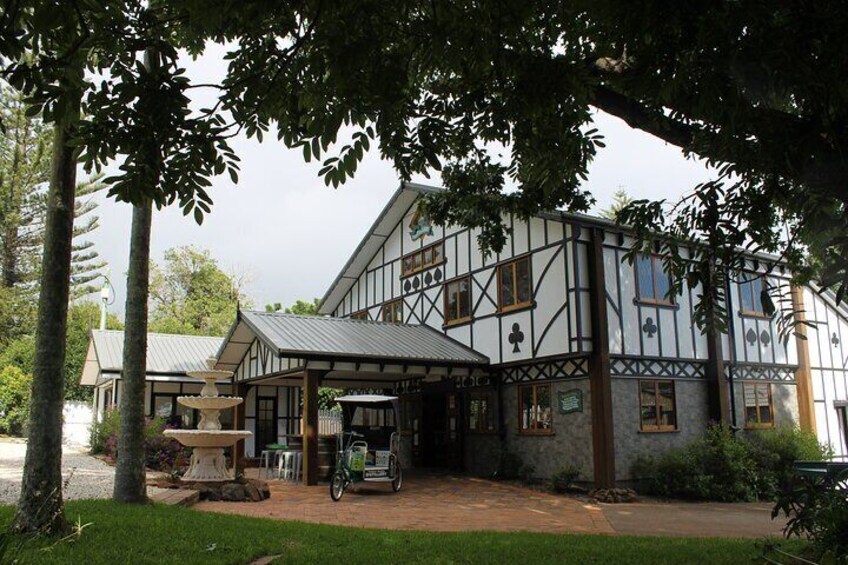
{"type": "Point", "coordinates": [167, 534]}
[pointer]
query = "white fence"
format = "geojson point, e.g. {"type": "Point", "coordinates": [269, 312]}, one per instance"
{"type": "Point", "coordinates": [329, 423]}
{"type": "Point", "coordinates": [76, 422]}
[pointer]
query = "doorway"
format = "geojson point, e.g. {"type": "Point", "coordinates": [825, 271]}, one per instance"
{"type": "Point", "coordinates": [441, 438]}
{"type": "Point", "coordinates": [266, 421]}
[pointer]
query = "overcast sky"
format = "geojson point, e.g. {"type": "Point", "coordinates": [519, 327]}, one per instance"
{"type": "Point", "coordinates": [292, 234]}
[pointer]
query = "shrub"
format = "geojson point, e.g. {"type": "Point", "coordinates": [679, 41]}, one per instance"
{"type": "Point", "coordinates": [562, 480]}
{"type": "Point", "coordinates": [161, 453]}
{"type": "Point", "coordinates": [817, 509]}
{"type": "Point", "coordinates": [719, 466]}
{"type": "Point", "coordinates": [15, 390]}
{"type": "Point", "coordinates": [774, 451]}
{"type": "Point", "coordinates": [103, 436]}
{"type": "Point", "coordinates": [509, 466]}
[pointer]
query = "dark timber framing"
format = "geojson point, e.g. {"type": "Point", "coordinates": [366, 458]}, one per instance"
{"type": "Point", "coordinates": [603, 449]}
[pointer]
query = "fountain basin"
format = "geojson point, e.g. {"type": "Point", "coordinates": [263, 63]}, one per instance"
{"type": "Point", "coordinates": [209, 402]}
{"type": "Point", "coordinates": [208, 438]}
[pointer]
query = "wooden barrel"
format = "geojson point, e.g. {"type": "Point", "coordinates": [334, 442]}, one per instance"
{"type": "Point", "coordinates": [326, 454]}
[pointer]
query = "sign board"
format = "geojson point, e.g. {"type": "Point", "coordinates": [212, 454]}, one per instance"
{"type": "Point", "coordinates": [571, 401]}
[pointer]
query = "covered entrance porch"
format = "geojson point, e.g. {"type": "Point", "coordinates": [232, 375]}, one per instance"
{"type": "Point", "coordinates": [280, 361]}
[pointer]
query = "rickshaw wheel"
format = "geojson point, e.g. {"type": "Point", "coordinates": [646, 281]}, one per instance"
{"type": "Point", "coordinates": [337, 486]}
{"type": "Point", "coordinates": [398, 480]}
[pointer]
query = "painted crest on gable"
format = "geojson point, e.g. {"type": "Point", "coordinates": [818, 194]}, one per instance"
{"type": "Point", "coordinates": [420, 226]}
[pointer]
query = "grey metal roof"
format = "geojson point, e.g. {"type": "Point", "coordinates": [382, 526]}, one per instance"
{"type": "Point", "coordinates": [167, 354]}
{"type": "Point", "coordinates": [342, 338]}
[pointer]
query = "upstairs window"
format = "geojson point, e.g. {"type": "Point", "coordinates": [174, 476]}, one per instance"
{"type": "Point", "coordinates": [393, 311]}
{"type": "Point", "coordinates": [361, 315]}
{"type": "Point", "coordinates": [514, 290]}
{"type": "Point", "coordinates": [751, 292]}
{"type": "Point", "coordinates": [652, 281]}
{"type": "Point", "coordinates": [458, 301]}
{"type": "Point", "coordinates": [658, 406]}
{"type": "Point", "coordinates": [758, 409]}
{"type": "Point", "coordinates": [423, 258]}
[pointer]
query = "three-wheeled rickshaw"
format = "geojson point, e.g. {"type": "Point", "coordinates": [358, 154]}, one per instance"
{"type": "Point", "coordinates": [367, 446]}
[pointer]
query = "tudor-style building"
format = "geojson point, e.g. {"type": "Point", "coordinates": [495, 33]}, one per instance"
{"type": "Point", "coordinates": [555, 349]}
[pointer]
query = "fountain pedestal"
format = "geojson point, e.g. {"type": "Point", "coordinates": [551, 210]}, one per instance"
{"type": "Point", "coordinates": [209, 440]}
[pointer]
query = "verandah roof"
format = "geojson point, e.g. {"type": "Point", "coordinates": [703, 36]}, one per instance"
{"type": "Point", "coordinates": [343, 339]}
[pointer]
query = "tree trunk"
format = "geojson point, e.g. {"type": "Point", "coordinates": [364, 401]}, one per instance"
{"type": "Point", "coordinates": [129, 471]}
{"type": "Point", "coordinates": [40, 508]}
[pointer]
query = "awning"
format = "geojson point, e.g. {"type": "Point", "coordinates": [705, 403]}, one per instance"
{"type": "Point", "coordinates": [334, 342]}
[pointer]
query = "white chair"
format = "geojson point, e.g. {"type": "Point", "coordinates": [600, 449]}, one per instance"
{"type": "Point", "coordinates": [267, 461]}
{"type": "Point", "coordinates": [289, 465]}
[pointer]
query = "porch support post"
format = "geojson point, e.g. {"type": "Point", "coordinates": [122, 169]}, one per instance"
{"type": "Point", "coordinates": [311, 379]}
{"type": "Point", "coordinates": [600, 381]}
{"type": "Point", "coordinates": [803, 376]}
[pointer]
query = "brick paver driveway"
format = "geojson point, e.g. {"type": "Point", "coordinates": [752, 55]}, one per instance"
{"type": "Point", "coordinates": [426, 502]}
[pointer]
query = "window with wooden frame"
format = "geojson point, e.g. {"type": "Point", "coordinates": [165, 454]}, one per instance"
{"type": "Point", "coordinates": [361, 315]}
{"type": "Point", "coordinates": [751, 295]}
{"type": "Point", "coordinates": [423, 258]}
{"type": "Point", "coordinates": [758, 407]}
{"type": "Point", "coordinates": [480, 407]}
{"type": "Point", "coordinates": [658, 406]}
{"type": "Point", "coordinates": [458, 301]}
{"type": "Point", "coordinates": [514, 285]}
{"type": "Point", "coordinates": [652, 282]}
{"type": "Point", "coordinates": [535, 416]}
{"type": "Point", "coordinates": [393, 311]}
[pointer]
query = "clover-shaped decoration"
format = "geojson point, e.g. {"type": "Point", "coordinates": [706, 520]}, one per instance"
{"type": "Point", "coordinates": [516, 338]}
{"type": "Point", "coordinates": [649, 327]}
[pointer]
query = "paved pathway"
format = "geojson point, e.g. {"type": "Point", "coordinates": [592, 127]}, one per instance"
{"type": "Point", "coordinates": [85, 476]}
{"type": "Point", "coordinates": [426, 502]}
{"type": "Point", "coordinates": [457, 503]}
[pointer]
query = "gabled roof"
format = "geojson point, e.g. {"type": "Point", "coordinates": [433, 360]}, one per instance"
{"type": "Point", "coordinates": [392, 213]}
{"type": "Point", "coordinates": [167, 354]}
{"type": "Point", "coordinates": [338, 339]}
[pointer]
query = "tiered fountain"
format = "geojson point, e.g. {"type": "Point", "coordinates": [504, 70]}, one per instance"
{"type": "Point", "coordinates": [208, 441]}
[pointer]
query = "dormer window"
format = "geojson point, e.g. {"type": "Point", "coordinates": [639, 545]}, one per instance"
{"type": "Point", "coordinates": [423, 258]}
{"type": "Point", "coordinates": [652, 282]}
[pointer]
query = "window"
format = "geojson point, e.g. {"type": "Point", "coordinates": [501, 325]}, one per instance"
{"type": "Point", "coordinates": [758, 411]}
{"type": "Point", "coordinates": [514, 284]}
{"type": "Point", "coordinates": [536, 416]}
{"type": "Point", "coordinates": [175, 414]}
{"type": "Point", "coordinates": [423, 258]}
{"type": "Point", "coordinates": [751, 291]}
{"type": "Point", "coordinates": [365, 417]}
{"type": "Point", "coordinates": [652, 282]}
{"type": "Point", "coordinates": [659, 412]}
{"type": "Point", "coordinates": [361, 315]}
{"type": "Point", "coordinates": [458, 301]}
{"type": "Point", "coordinates": [393, 311]}
{"type": "Point", "coordinates": [481, 411]}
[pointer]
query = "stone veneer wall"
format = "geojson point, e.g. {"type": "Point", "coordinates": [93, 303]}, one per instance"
{"type": "Point", "coordinates": [784, 399]}
{"type": "Point", "coordinates": [571, 441]}
{"type": "Point", "coordinates": [630, 441]}
{"type": "Point", "coordinates": [481, 452]}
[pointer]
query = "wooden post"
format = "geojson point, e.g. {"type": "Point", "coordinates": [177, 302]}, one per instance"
{"type": "Point", "coordinates": [803, 376]}
{"type": "Point", "coordinates": [603, 448]}
{"type": "Point", "coordinates": [718, 387]}
{"type": "Point", "coordinates": [311, 380]}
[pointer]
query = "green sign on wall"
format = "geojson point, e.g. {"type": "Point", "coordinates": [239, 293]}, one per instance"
{"type": "Point", "coordinates": [571, 401]}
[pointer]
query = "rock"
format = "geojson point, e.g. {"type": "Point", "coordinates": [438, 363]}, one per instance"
{"type": "Point", "coordinates": [252, 492]}
{"type": "Point", "coordinates": [213, 495]}
{"type": "Point", "coordinates": [262, 487]}
{"type": "Point", "coordinates": [233, 492]}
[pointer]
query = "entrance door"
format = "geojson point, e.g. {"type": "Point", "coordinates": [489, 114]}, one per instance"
{"type": "Point", "coordinates": [442, 430]}
{"type": "Point", "coordinates": [266, 421]}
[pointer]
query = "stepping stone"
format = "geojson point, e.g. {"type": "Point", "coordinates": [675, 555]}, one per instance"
{"type": "Point", "coordinates": [177, 497]}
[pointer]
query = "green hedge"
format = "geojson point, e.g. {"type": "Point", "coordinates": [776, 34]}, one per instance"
{"type": "Point", "coordinates": [721, 466]}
